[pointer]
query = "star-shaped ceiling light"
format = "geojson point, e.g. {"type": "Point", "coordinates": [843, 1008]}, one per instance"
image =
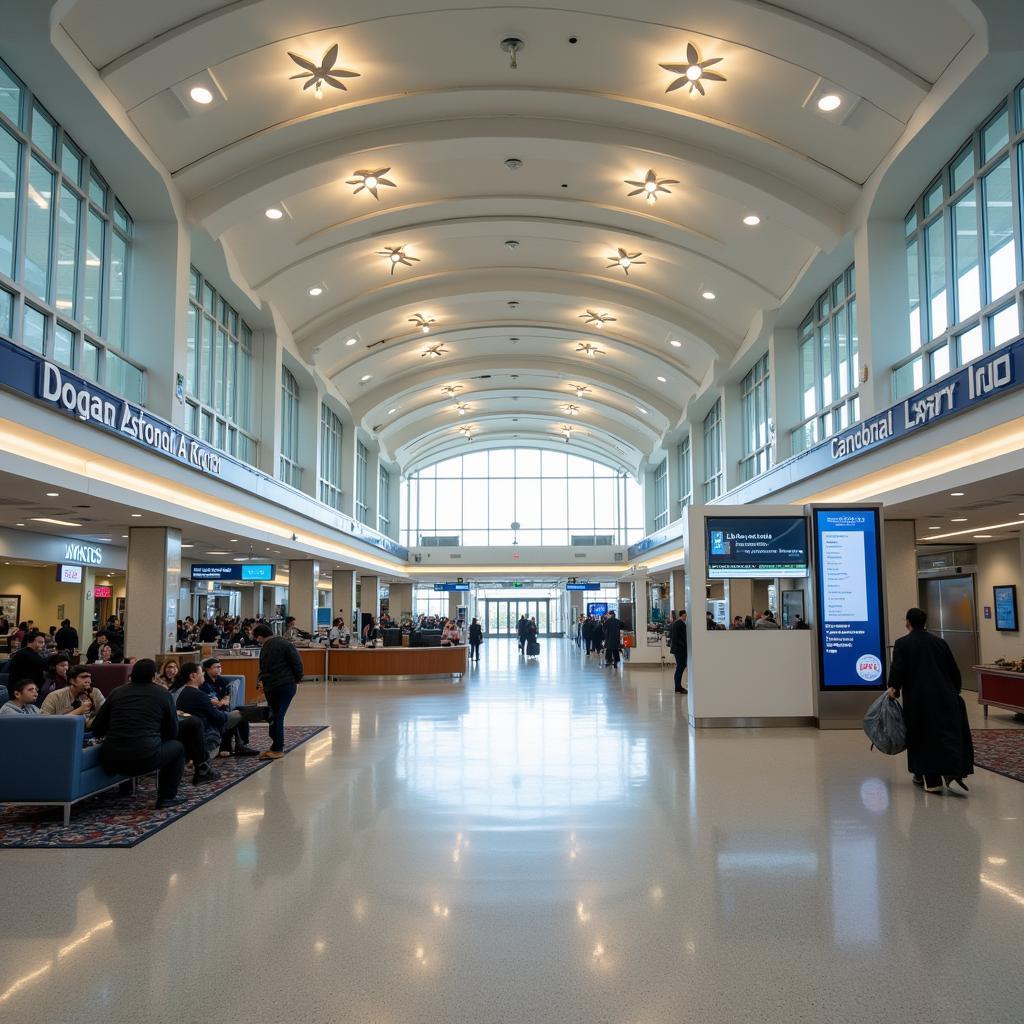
{"type": "Point", "coordinates": [451, 390]}
{"type": "Point", "coordinates": [571, 410]}
{"type": "Point", "coordinates": [461, 408]}
{"type": "Point", "coordinates": [650, 187]}
{"type": "Point", "coordinates": [597, 320]}
{"type": "Point", "coordinates": [694, 72]}
{"type": "Point", "coordinates": [370, 181]}
{"type": "Point", "coordinates": [422, 322]}
{"type": "Point", "coordinates": [396, 255]}
{"type": "Point", "coordinates": [624, 260]}
{"type": "Point", "coordinates": [324, 72]}
{"type": "Point", "coordinates": [580, 389]}
{"type": "Point", "coordinates": [434, 352]}
{"type": "Point", "coordinates": [589, 350]}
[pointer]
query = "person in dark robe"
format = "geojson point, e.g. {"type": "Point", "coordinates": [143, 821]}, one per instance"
{"type": "Point", "coordinates": [522, 631]}
{"type": "Point", "coordinates": [924, 671]}
{"type": "Point", "coordinates": [677, 646]}
{"type": "Point", "coordinates": [612, 627]}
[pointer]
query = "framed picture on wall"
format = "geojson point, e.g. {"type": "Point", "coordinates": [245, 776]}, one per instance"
{"type": "Point", "coordinates": [10, 608]}
{"type": "Point", "coordinates": [1005, 600]}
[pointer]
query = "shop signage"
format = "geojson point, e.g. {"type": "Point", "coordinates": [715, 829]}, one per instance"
{"type": "Point", "coordinates": [69, 573]}
{"type": "Point", "coordinates": [848, 567]}
{"type": "Point", "coordinates": [41, 547]}
{"type": "Point", "coordinates": [583, 586]}
{"type": "Point", "coordinates": [83, 553]}
{"type": "Point", "coordinates": [451, 587]}
{"type": "Point", "coordinates": [100, 591]}
{"type": "Point", "coordinates": [257, 572]}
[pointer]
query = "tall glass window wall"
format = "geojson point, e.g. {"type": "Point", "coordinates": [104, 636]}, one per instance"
{"type": "Point", "coordinates": [661, 495]}
{"type": "Point", "coordinates": [555, 497]}
{"type": "Point", "coordinates": [383, 500]}
{"type": "Point", "coordinates": [714, 475]}
{"type": "Point", "coordinates": [757, 421]}
{"type": "Point", "coordinates": [290, 471]}
{"type": "Point", "coordinates": [964, 268]}
{"type": "Point", "coordinates": [330, 458]}
{"type": "Point", "coordinates": [362, 461]}
{"type": "Point", "coordinates": [829, 364]}
{"type": "Point", "coordinates": [218, 372]}
{"type": "Point", "coordinates": [65, 248]}
{"type": "Point", "coordinates": [685, 475]}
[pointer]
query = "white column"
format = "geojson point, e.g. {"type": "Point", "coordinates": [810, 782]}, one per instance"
{"type": "Point", "coordinates": [784, 384]}
{"type": "Point", "coordinates": [400, 601]}
{"type": "Point", "coordinates": [369, 597]}
{"type": "Point", "coordinates": [153, 583]}
{"type": "Point", "coordinates": [303, 575]}
{"type": "Point", "coordinates": [343, 595]}
{"type": "Point", "coordinates": [677, 590]}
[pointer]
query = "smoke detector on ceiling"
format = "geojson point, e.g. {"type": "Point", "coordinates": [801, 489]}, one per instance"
{"type": "Point", "coordinates": [513, 163]}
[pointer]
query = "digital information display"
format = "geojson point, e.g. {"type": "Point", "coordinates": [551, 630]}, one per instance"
{"type": "Point", "coordinates": [69, 574]}
{"type": "Point", "coordinates": [256, 572]}
{"type": "Point", "coordinates": [451, 587]}
{"type": "Point", "coordinates": [851, 637]}
{"type": "Point", "coordinates": [1006, 608]}
{"type": "Point", "coordinates": [757, 547]}
{"type": "Point", "coordinates": [583, 586]}
{"type": "Point", "coordinates": [597, 608]}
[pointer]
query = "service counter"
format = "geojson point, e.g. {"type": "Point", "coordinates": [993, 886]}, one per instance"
{"type": "Point", "coordinates": [396, 662]}
{"type": "Point", "coordinates": [1000, 687]}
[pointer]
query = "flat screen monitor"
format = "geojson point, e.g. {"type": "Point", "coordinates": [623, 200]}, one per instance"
{"type": "Point", "coordinates": [69, 574]}
{"type": "Point", "coordinates": [597, 608]}
{"type": "Point", "coordinates": [1005, 599]}
{"type": "Point", "coordinates": [756, 547]}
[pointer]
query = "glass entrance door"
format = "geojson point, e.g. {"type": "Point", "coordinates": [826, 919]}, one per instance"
{"type": "Point", "coordinates": [502, 615]}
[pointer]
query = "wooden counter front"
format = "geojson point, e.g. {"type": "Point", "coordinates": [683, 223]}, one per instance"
{"type": "Point", "coordinates": [314, 665]}
{"type": "Point", "coordinates": [363, 662]}
{"type": "Point", "coordinates": [1000, 687]}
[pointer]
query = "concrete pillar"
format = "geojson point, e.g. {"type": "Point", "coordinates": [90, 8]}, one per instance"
{"type": "Point", "coordinates": [84, 610]}
{"type": "Point", "coordinates": [883, 325]}
{"type": "Point", "coordinates": [303, 574]}
{"type": "Point", "coordinates": [343, 595]}
{"type": "Point", "coordinates": [784, 387]}
{"type": "Point", "coordinates": [641, 653]}
{"type": "Point", "coordinates": [369, 597]}
{"type": "Point", "coordinates": [732, 433]}
{"type": "Point", "coordinates": [454, 600]}
{"type": "Point", "coordinates": [901, 575]}
{"type": "Point", "coordinates": [400, 601]}
{"type": "Point", "coordinates": [247, 605]}
{"type": "Point", "coordinates": [741, 599]}
{"type": "Point", "coordinates": [153, 583]}
{"type": "Point", "coordinates": [677, 590]}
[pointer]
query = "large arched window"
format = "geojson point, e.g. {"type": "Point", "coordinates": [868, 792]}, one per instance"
{"type": "Point", "coordinates": [555, 497]}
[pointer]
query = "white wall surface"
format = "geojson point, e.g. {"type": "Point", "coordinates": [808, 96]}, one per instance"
{"type": "Point", "coordinates": [999, 563]}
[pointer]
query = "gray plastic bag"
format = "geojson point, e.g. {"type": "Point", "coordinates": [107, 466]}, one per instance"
{"type": "Point", "coordinates": [885, 727]}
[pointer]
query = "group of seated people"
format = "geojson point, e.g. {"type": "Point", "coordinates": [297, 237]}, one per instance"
{"type": "Point", "coordinates": [222, 631]}
{"type": "Point", "coordinates": [762, 620]}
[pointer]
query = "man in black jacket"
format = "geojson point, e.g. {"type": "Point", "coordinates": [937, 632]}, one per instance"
{"type": "Point", "coordinates": [522, 630]}
{"type": "Point", "coordinates": [612, 639]}
{"type": "Point", "coordinates": [476, 638]}
{"type": "Point", "coordinates": [939, 745]}
{"type": "Point", "coordinates": [587, 630]}
{"type": "Point", "coordinates": [139, 724]}
{"type": "Point", "coordinates": [224, 729]}
{"type": "Point", "coordinates": [29, 662]}
{"type": "Point", "coordinates": [66, 638]}
{"type": "Point", "coordinates": [677, 646]}
{"type": "Point", "coordinates": [280, 674]}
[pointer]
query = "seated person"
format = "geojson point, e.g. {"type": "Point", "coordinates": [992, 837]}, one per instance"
{"type": "Point", "coordinates": [23, 699]}
{"type": "Point", "coordinates": [216, 688]}
{"type": "Point", "coordinates": [105, 655]}
{"type": "Point", "coordinates": [337, 635]}
{"type": "Point", "coordinates": [139, 724]}
{"type": "Point", "coordinates": [93, 653]}
{"type": "Point", "coordinates": [56, 675]}
{"type": "Point", "coordinates": [767, 621]}
{"type": "Point", "coordinates": [209, 634]}
{"type": "Point", "coordinates": [223, 729]}
{"type": "Point", "coordinates": [30, 662]}
{"type": "Point", "coordinates": [450, 634]}
{"type": "Point", "coordinates": [76, 698]}
{"type": "Point", "coordinates": [292, 632]}
{"type": "Point", "coordinates": [168, 677]}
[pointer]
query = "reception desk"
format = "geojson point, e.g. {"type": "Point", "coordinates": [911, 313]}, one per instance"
{"type": "Point", "coordinates": [1000, 687]}
{"type": "Point", "coordinates": [396, 662]}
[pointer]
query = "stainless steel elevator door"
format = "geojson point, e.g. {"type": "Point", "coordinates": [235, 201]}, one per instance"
{"type": "Point", "coordinates": [949, 602]}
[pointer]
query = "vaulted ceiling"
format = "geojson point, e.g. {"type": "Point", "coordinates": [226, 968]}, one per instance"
{"type": "Point", "coordinates": [510, 191]}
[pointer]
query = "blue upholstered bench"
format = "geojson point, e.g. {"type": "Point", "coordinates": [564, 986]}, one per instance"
{"type": "Point", "coordinates": [42, 761]}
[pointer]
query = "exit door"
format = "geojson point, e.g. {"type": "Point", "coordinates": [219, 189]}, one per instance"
{"type": "Point", "coordinates": [949, 604]}
{"type": "Point", "coordinates": [502, 615]}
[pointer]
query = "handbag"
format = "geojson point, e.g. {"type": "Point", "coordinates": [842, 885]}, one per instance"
{"type": "Point", "coordinates": [884, 725]}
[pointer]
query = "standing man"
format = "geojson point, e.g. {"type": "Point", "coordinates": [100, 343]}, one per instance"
{"type": "Point", "coordinates": [587, 630]}
{"type": "Point", "coordinates": [476, 638]}
{"type": "Point", "coordinates": [522, 629]}
{"type": "Point", "coordinates": [66, 638]}
{"type": "Point", "coordinates": [280, 675]}
{"type": "Point", "coordinates": [939, 745]}
{"type": "Point", "coordinates": [612, 638]}
{"type": "Point", "coordinates": [677, 645]}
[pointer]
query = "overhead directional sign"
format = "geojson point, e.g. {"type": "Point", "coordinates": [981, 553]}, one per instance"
{"type": "Point", "coordinates": [450, 587]}
{"type": "Point", "coordinates": [583, 586]}
{"type": "Point", "coordinates": [255, 571]}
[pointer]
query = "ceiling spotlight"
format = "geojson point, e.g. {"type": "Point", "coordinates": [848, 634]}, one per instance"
{"type": "Point", "coordinates": [451, 390]}
{"type": "Point", "coordinates": [625, 260]}
{"type": "Point", "coordinates": [661, 380]}
{"type": "Point", "coordinates": [707, 294]}
{"type": "Point", "coordinates": [513, 163]}
{"type": "Point", "coordinates": [571, 410]}
{"type": "Point", "coordinates": [580, 389]}
{"type": "Point", "coordinates": [512, 303]}
{"type": "Point", "coordinates": [434, 351]}
{"type": "Point", "coordinates": [370, 181]}
{"type": "Point", "coordinates": [397, 256]}
{"type": "Point", "coordinates": [589, 350]}
{"type": "Point", "coordinates": [422, 322]}
{"type": "Point", "coordinates": [365, 377]}
{"type": "Point", "coordinates": [640, 408]}
{"type": "Point", "coordinates": [316, 290]}
{"type": "Point", "coordinates": [461, 408]}
{"type": "Point", "coordinates": [650, 187]}
{"type": "Point", "coordinates": [751, 220]}
{"type": "Point", "coordinates": [201, 94]}
{"type": "Point", "coordinates": [694, 72]}
{"type": "Point", "coordinates": [324, 72]}
{"type": "Point", "coordinates": [597, 320]}
{"type": "Point", "coordinates": [956, 494]}
{"type": "Point", "coordinates": [961, 519]}
{"type": "Point", "coordinates": [511, 244]}
{"type": "Point", "coordinates": [273, 213]}
{"type": "Point", "coordinates": [350, 342]}
{"type": "Point", "coordinates": [53, 494]}
{"type": "Point", "coordinates": [391, 412]}
{"type": "Point", "coordinates": [676, 344]}
{"type": "Point", "coordinates": [830, 101]}
{"type": "Point", "coordinates": [934, 527]}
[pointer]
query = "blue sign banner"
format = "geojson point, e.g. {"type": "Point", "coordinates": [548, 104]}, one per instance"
{"type": "Point", "coordinates": [583, 586]}
{"type": "Point", "coordinates": [451, 587]}
{"type": "Point", "coordinates": [253, 571]}
{"type": "Point", "coordinates": [848, 568]}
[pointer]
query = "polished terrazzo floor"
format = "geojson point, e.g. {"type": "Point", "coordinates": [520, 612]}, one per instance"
{"type": "Point", "coordinates": [547, 843]}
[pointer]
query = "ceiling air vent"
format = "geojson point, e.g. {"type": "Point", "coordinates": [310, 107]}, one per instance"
{"type": "Point", "coordinates": [619, 557]}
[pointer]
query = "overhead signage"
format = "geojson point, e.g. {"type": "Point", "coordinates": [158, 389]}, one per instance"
{"type": "Point", "coordinates": [848, 560]}
{"type": "Point", "coordinates": [102, 590]}
{"type": "Point", "coordinates": [87, 553]}
{"type": "Point", "coordinates": [69, 573]}
{"type": "Point", "coordinates": [256, 572]}
{"type": "Point", "coordinates": [450, 587]}
{"type": "Point", "coordinates": [583, 586]}
{"type": "Point", "coordinates": [756, 547]}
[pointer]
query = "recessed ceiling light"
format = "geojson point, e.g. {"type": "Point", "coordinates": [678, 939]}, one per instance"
{"type": "Point", "coordinates": [956, 494]}
{"type": "Point", "coordinates": [273, 213]}
{"type": "Point", "coordinates": [694, 72]}
{"type": "Point", "coordinates": [751, 220]}
{"type": "Point", "coordinates": [234, 540]}
{"type": "Point", "coordinates": [707, 294]}
{"type": "Point", "coordinates": [188, 545]}
{"type": "Point", "coordinates": [370, 181]}
{"type": "Point", "coordinates": [351, 342]}
{"type": "Point", "coordinates": [52, 522]}
{"type": "Point", "coordinates": [365, 377]}
{"type": "Point", "coordinates": [676, 344]}
{"type": "Point", "coordinates": [624, 260]}
{"type": "Point", "coordinates": [662, 380]}
{"type": "Point", "coordinates": [136, 515]}
{"type": "Point", "coordinates": [982, 536]}
{"type": "Point", "coordinates": [397, 256]}
{"type": "Point", "coordinates": [325, 72]}
{"type": "Point", "coordinates": [961, 520]}
{"type": "Point", "coordinates": [53, 494]}
{"type": "Point", "coordinates": [830, 101]}
{"type": "Point", "coordinates": [316, 290]}
{"type": "Point", "coordinates": [22, 524]}
{"type": "Point", "coordinates": [218, 552]}
{"type": "Point", "coordinates": [650, 187]}
{"type": "Point", "coordinates": [124, 536]}
{"type": "Point", "coordinates": [391, 412]}
{"type": "Point", "coordinates": [201, 94]}
{"type": "Point", "coordinates": [934, 527]}
{"type": "Point", "coordinates": [642, 409]}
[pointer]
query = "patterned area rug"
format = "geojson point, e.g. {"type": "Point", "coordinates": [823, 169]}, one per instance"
{"type": "Point", "coordinates": [111, 820]}
{"type": "Point", "coordinates": [1000, 751]}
